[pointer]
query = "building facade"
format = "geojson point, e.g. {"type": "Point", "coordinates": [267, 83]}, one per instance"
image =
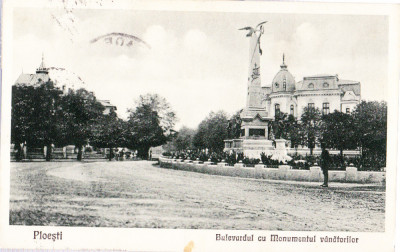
{"type": "Point", "coordinates": [325, 92]}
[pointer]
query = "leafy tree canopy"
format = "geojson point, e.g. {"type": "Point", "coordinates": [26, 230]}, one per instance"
{"type": "Point", "coordinates": [167, 117]}
{"type": "Point", "coordinates": [212, 132]}
{"type": "Point", "coordinates": [184, 139]}
{"type": "Point", "coordinates": [310, 126]}
{"type": "Point", "coordinates": [149, 124]}
{"type": "Point", "coordinates": [81, 112]}
{"type": "Point", "coordinates": [337, 131]}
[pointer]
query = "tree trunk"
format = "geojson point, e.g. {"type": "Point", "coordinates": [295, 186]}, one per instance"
{"type": "Point", "coordinates": [341, 154]}
{"type": "Point", "coordinates": [79, 157]}
{"type": "Point", "coordinates": [111, 154]}
{"type": "Point", "coordinates": [143, 153]}
{"type": "Point", "coordinates": [311, 151]}
{"type": "Point", "coordinates": [48, 152]}
{"type": "Point", "coordinates": [19, 155]}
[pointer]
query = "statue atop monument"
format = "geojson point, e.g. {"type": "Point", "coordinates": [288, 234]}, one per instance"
{"type": "Point", "coordinates": [254, 96]}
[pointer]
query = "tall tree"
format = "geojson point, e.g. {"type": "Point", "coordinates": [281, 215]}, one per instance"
{"type": "Point", "coordinates": [310, 126]}
{"type": "Point", "coordinates": [294, 131]}
{"type": "Point", "coordinates": [35, 116]}
{"type": "Point", "coordinates": [81, 112]}
{"type": "Point", "coordinates": [108, 132]}
{"type": "Point", "coordinates": [166, 116]}
{"type": "Point", "coordinates": [212, 132]}
{"type": "Point", "coordinates": [371, 131]}
{"type": "Point", "coordinates": [184, 139]}
{"type": "Point", "coordinates": [337, 131]}
{"type": "Point", "coordinates": [234, 125]}
{"type": "Point", "coordinates": [144, 130]}
{"type": "Point", "coordinates": [199, 140]}
{"type": "Point", "coordinates": [280, 126]}
{"type": "Point", "coordinates": [22, 123]}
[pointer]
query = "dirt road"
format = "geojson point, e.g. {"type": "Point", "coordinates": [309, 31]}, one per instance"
{"type": "Point", "coordinates": [139, 194]}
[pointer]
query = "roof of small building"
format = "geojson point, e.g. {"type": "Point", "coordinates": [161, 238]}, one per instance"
{"type": "Point", "coordinates": [320, 76]}
{"type": "Point", "coordinates": [350, 86]}
{"type": "Point", "coordinates": [32, 79]}
{"type": "Point", "coordinates": [106, 103]}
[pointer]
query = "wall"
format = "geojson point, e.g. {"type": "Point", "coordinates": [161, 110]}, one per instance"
{"type": "Point", "coordinates": [318, 100]}
{"type": "Point", "coordinates": [284, 172]}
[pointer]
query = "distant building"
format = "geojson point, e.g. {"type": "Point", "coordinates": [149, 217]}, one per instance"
{"type": "Point", "coordinates": [41, 76]}
{"type": "Point", "coordinates": [108, 106]}
{"type": "Point", "coordinates": [61, 78]}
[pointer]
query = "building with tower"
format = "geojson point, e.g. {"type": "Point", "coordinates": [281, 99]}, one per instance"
{"type": "Point", "coordinates": [62, 78]}
{"type": "Point", "coordinates": [325, 92]}
{"type": "Point", "coordinates": [284, 95]}
{"type": "Point", "coordinates": [41, 76]}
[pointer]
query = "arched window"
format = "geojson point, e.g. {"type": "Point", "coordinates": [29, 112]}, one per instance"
{"type": "Point", "coordinates": [292, 110]}
{"type": "Point", "coordinates": [326, 85]}
{"type": "Point", "coordinates": [276, 84]}
{"type": "Point", "coordinates": [284, 82]}
{"type": "Point", "coordinates": [347, 110]}
{"type": "Point", "coordinates": [311, 86]}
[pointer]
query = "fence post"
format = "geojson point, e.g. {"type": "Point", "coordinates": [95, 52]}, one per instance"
{"type": "Point", "coordinates": [25, 149]}
{"type": "Point", "coordinates": [222, 163]}
{"type": "Point", "coordinates": [315, 173]}
{"type": "Point", "coordinates": [283, 171]}
{"type": "Point", "coordinates": [351, 173]}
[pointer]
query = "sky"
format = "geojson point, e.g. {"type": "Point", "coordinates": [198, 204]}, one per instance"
{"type": "Point", "coordinates": [198, 61]}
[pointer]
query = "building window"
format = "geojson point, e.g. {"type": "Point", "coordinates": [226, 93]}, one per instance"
{"type": "Point", "coordinates": [242, 132]}
{"type": "Point", "coordinates": [326, 84]}
{"type": "Point", "coordinates": [311, 105]}
{"type": "Point", "coordinates": [347, 110]}
{"type": "Point", "coordinates": [311, 86]}
{"type": "Point", "coordinates": [284, 82]}
{"type": "Point", "coordinates": [292, 110]}
{"type": "Point", "coordinates": [277, 109]}
{"type": "Point", "coordinates": [325, 108]}
{"type": "Point", "coordinates": [276, 84]}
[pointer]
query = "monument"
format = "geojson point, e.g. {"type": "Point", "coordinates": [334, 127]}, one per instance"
{"type": "Point", "coordinates": [284, 95]}
{"type": "Point", "coordinates": [255, 120]}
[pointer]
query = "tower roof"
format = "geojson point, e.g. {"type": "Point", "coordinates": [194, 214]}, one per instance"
{"type": "Point", "coordinates": [42, 68]}
{"type": "Point", "coordinates": [283, 80]}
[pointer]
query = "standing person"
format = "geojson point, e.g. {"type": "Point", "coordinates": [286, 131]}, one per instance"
{"type": "Point", "coordinates": [325, 163]}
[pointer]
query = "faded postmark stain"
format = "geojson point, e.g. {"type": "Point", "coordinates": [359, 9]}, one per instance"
{"type": "Point", "coordinates": [120, 39]}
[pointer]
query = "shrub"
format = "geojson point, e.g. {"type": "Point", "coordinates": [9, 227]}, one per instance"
{"type": "Point", "coordinates": [268, 161]}
{"type": "Point", "coordinates": [251, 161]}
{"type": "Point", "coordinates": [167, 154]}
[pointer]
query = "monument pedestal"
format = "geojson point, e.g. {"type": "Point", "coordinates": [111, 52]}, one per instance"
{"type": "Point", "coordinates": [252, 148]}
{"type": "Point", "coordinates": [280, 153]}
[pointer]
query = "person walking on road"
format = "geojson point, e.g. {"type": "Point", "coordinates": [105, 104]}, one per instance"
{"type": "Point", "coordinates": [325, 163]}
